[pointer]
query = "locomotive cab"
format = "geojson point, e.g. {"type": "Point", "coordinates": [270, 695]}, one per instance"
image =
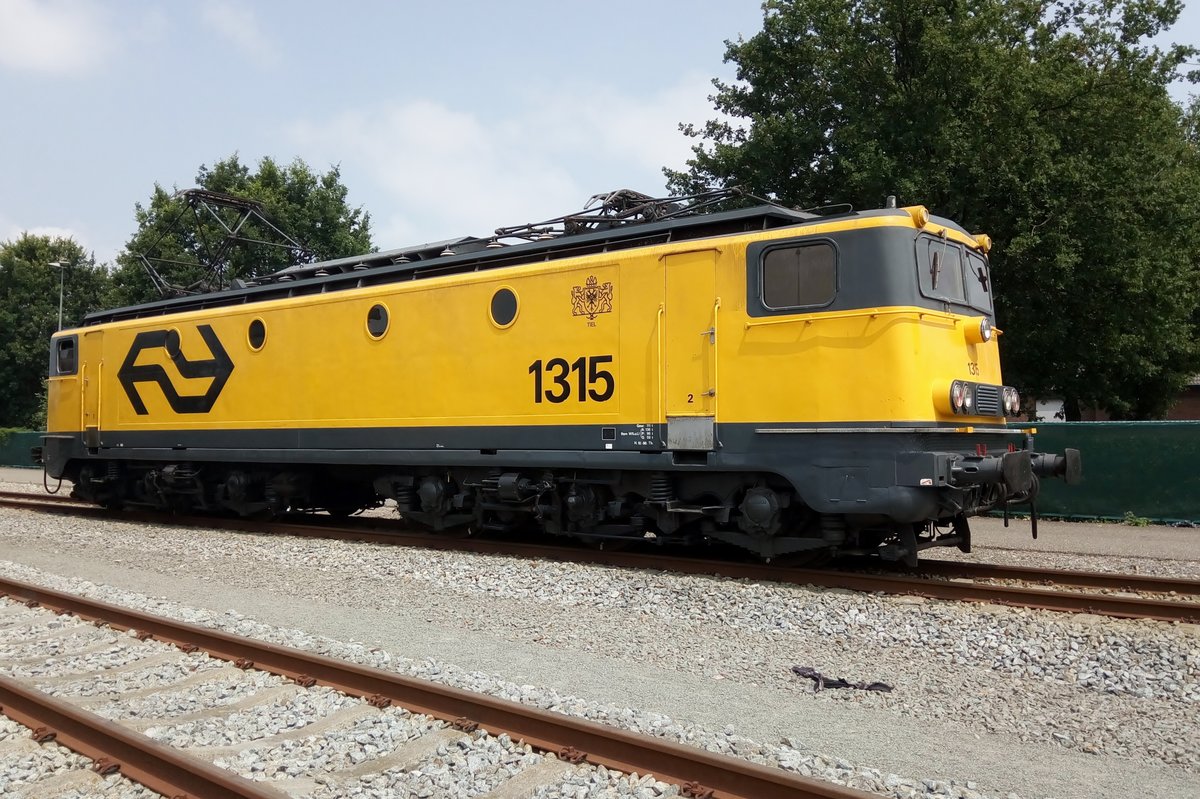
{"type": "Point", "coordinates": [871, 348]}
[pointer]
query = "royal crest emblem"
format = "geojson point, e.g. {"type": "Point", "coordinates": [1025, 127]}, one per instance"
{"type": "Point", "coordinates": [591, 298]}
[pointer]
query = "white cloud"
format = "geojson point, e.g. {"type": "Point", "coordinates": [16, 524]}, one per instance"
{"type": "Point", "coordinates": [56, 233]}
{"type": "Point", "coordinates": [641, 129]}
{"type": "Point", "coordinates": [55, 36]}
{"type": "Point", "coordinates": [10, 230]}
{"type": "Point", "coordinates": [239, 25]}
{"type": "Point", "coordinates": [442, 171]}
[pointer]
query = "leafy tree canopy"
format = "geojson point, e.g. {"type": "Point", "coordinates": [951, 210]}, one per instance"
{"type": "Point", "coordinates": [1046, 124]}
{"type": "Point", "coordinates": [29, 293]}
{"type": "Point", "coordinates": [307, 206]}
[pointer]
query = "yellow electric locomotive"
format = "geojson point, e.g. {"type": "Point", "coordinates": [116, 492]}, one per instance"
{"type": "Point", "coordinates": [784, 381]}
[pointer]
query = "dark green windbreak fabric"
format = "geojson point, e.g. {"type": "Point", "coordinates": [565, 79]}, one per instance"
{"type": "Point", "coordinates": [1149, 469]}
{"type": "Point", "coordinates": [14, 448]}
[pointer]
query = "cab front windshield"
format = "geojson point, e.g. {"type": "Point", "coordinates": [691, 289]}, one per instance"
{"type": "Point", "coordinates": [952, 273]}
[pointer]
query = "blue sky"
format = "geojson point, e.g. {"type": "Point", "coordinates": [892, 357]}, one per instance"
{"type": "Point", "coordinates": [446, 119]}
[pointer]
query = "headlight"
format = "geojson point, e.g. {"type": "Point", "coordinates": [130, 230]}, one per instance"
{"type": "Point", "coordinates": [957, 392]}
{"type": "Point", "coordinates": [1012, 401]}
{"type": "Point", "coordinates": [977, 329]}
{"type": "Point", "coordinates": [968, 398]}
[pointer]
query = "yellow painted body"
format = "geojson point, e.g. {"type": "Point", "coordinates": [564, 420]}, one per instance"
{"type": "Point", "coordinates": [678, 333]}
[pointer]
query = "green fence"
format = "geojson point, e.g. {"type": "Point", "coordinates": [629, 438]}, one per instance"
{"type": "Point", "coordinates": [14, 447]}
{"type": "Point", "coordinates": [1148, 469]}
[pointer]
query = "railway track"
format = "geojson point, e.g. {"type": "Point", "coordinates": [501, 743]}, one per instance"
{"type": "Point", "coordinates": [1081, 579]}
{"type": "Point", "coordinates": [946, 580]}
{"type": "Point", "coordinates": [116, 742]}
{"type": "Point", "coordinates": [11, 499]}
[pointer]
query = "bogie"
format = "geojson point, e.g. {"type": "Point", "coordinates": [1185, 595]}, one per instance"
{"type": "Point", "coordinates": [759, 514]}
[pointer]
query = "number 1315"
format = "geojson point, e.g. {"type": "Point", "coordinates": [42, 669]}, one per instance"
{"type": "Point", "coordinates": [580, 378]}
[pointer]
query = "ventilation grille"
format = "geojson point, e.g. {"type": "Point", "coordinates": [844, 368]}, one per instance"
{"type": "Point", "coordinates": [987, 401]}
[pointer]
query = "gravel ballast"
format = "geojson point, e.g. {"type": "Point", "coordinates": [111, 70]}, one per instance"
{"type": "Point", "coordinates": [219, 691]}
{"type": "Point", "coordinates": [466, 767]}
{"type": "Point", "coordinates": [714, 650]}
{"type": "Point", "coordinates": [28, 770]}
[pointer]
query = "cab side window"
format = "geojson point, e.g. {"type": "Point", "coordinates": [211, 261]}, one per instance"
{"type": "Point", "coordinates": [799, 277]}
{"type": "Point", "coordinates": [66, 356]}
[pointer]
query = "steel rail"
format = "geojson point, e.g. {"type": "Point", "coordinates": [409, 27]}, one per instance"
{"type": "Point", "coordinates": [1083, 579]}
{"type": "Point", "coordinates": [24, 498]}
{"type": "Point", "coordinates": [114, 748]}
{"type": "Point", "coordinates": [570, 738]}
{"type": "Point", "coordinates": [891, 583]}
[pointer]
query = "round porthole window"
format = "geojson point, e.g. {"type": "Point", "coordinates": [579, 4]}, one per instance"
{"type": "Point", "coordinates": [377, 321]}
{"type": "Point", "coordinates": [504, 307]}
{"type": "Point", "coordinates": [257, 335]}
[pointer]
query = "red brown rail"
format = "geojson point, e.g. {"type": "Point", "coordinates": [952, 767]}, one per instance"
{"type": "Point", "coordinates": [138, 757]}
{"type": "Point", "coordinates": [20, 498]}
{"type": "Point", "coordinates": [1017, 596]}
{"type": "Point", "coordinates": [727, 777]}
{"type": "Point", "coordinates": [1083, 579]}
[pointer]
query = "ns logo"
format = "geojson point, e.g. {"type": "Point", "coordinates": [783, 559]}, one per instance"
{"type": "Point", "coordinates": [219, 367]}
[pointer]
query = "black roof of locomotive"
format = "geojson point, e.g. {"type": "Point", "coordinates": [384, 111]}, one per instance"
{"type": "Point", "coordinates": [470, 254]}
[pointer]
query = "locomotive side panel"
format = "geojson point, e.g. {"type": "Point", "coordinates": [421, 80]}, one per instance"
{"type": "Point", "coordinates": [581, 350]}
{"type": "Point", "coordinates": [603, 342]}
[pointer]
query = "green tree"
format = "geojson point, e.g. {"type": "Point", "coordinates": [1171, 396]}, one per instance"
{"type": "Point", "coordinates": [307, 206]}
{"type": "Point", "coordinates": [1046, 124]}
{"type": "Point", "coordinates": [29, 293]}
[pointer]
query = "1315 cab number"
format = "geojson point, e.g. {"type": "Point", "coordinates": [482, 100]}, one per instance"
{"type": "Point", "coordinates": [558, 380]}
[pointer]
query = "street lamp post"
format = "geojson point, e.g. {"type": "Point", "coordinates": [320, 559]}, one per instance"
{"type": "Point", "coordinates": [61, 266]}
